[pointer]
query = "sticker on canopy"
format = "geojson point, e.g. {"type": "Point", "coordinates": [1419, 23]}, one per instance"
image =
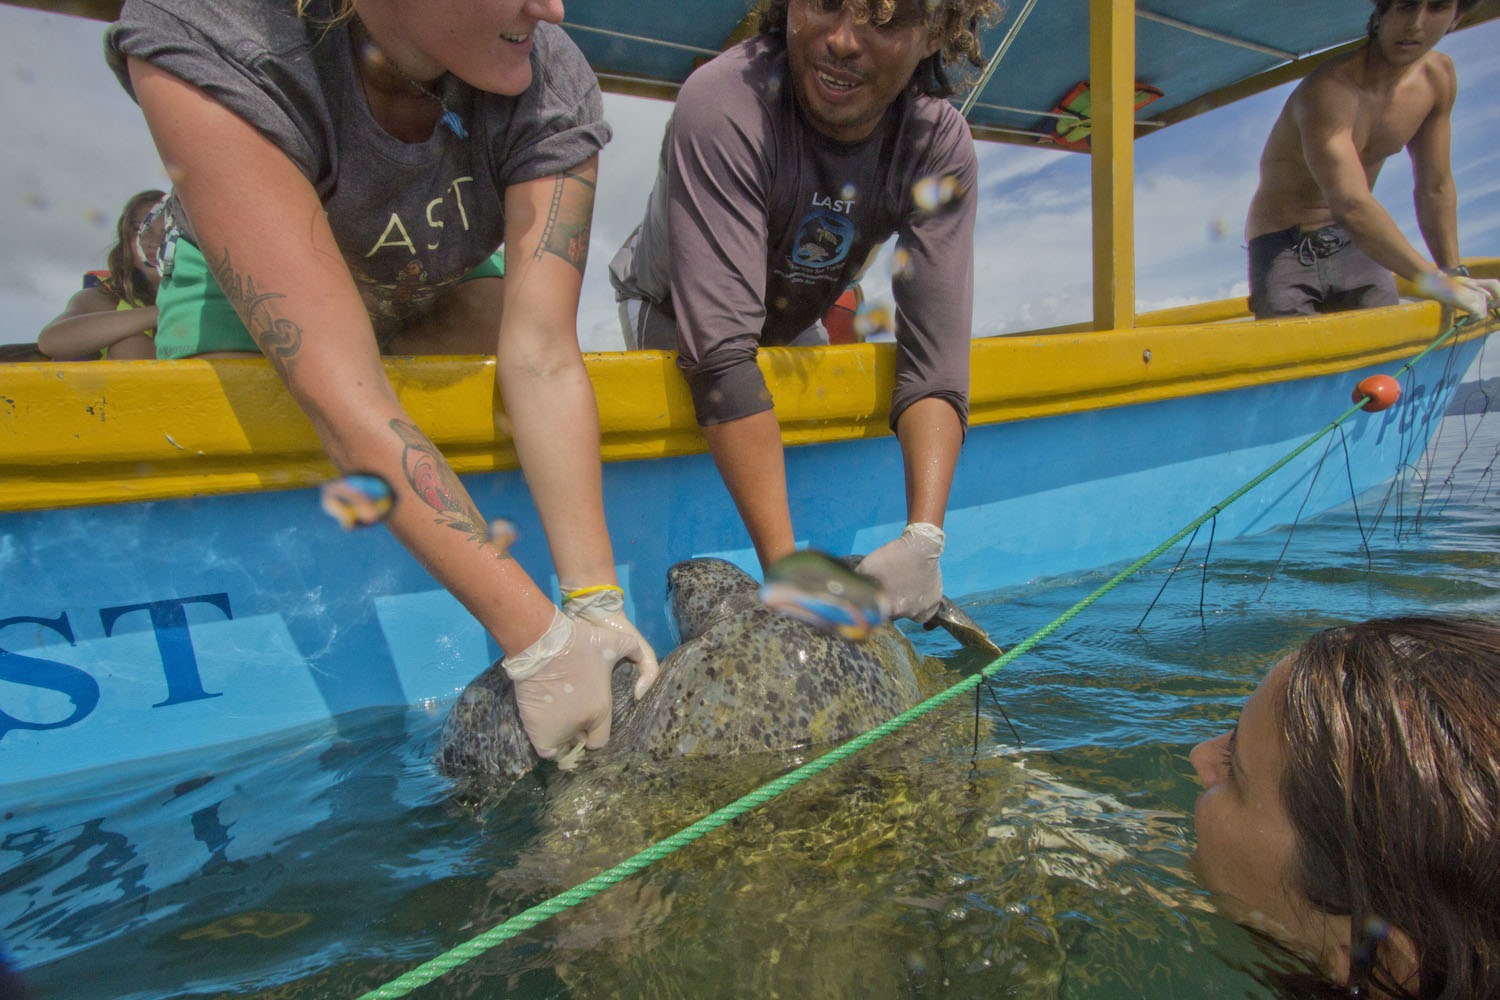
{"type": "Point", "coordinates": [1074, 114]}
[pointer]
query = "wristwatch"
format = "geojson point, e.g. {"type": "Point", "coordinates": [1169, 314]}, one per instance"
{"type": "Point", "coordinates": [1461, 271]}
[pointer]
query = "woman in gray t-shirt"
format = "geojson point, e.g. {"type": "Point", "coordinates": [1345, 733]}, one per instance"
{"type": "Point", "coordinates": [337, 169]}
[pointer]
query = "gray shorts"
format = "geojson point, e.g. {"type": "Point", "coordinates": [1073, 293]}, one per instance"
{"type": "Point", "coordinates": [1296, 273]}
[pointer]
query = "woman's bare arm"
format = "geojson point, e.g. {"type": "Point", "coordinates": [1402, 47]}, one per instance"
{"type": "Point", "coordinates": [263, 231]}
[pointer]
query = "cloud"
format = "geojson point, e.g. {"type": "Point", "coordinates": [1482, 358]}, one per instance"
{"type": "Point", "coordinates": [1479, 234]}
{"type": "Point", "coordinates": [1019, 163]}
{"type": "Point", "coordinates": [76, 149]}
{"type": "Point", "coordinates": [1482, 167]}
{"type": "Point", "coordinates": [627, 170]}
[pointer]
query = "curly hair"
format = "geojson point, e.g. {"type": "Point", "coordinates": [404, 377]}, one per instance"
{"type": "Point", "coordinates": [956, 22]}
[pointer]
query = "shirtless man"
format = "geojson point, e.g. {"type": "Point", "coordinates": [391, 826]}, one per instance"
{"type": "Point", "coordinates": [1319, 241]}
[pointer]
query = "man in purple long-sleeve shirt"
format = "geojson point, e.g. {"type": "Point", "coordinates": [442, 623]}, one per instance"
{"type": "Point", "coordinates": [790, 159]}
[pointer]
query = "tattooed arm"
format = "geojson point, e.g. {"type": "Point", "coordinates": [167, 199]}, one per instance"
{"type": "Point", "coordinates": [546, 389]}
{"type": "Point", "coordinates": [261, 225]}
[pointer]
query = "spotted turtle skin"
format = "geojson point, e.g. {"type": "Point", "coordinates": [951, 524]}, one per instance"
{"type": "Point", "coordinates": [744, 679]}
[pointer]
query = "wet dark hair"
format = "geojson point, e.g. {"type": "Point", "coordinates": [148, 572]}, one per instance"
{"type": "Point", "coordinates": [1392, 785]}
{"type": "Point", "coordinates": [125, 278]}
{"type": "Point", "coordinates": [1372, 26]}
{"type": "Point", "coordinates": [956, 22]}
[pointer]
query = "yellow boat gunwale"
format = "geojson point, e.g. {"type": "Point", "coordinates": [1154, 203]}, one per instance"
{"type": "Point", "coordinates": [76, 434]}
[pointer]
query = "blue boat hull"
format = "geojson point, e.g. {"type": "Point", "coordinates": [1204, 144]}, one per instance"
{"type": "Point", "coordinates": [133, 630]}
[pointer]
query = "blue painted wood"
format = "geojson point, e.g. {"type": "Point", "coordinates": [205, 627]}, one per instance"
{"type": "Point", "coordinates": [136, 630]}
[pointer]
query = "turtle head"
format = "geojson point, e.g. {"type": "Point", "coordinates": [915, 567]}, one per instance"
{"type": "Point", "coordinates": [697, 590]}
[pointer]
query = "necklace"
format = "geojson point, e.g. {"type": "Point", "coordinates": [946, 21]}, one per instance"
{"type": "Point", "coordinates": [374, 58]}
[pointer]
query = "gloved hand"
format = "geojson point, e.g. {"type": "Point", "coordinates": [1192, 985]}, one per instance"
{"type": "Point", "coordinates": [1488, 287]}
{"type": "Point", "coordinates": [908, 572]}
{"type": "Point", "coordinates": [562, 683]}
{"type": "Point", "coordinates": [605, 606]}
{"type": "Point", "coordinates": [1475, 296]}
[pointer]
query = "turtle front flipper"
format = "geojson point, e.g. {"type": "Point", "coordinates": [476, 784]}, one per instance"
{"type": "Point", "coordinates": [956, 622]}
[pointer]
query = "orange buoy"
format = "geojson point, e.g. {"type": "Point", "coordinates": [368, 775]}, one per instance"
{"type": "Point", "coordinates": [1381, 390]}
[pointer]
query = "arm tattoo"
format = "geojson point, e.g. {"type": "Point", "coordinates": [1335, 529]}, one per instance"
{"type": "Point", "coordinates": [433, 479]}
{"type": "Point", "coordinates": [569, 221]}
{"type": "Point", "coordinates": [279, 338]}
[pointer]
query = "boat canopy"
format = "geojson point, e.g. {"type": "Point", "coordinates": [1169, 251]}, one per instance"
{"type": "Point", "coordinates": [1197, 54]}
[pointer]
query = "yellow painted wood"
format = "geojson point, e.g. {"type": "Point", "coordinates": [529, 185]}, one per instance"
{"type": "Point", "coordinates": [1112, 150]}
{"type": "Point", "coordinates": [81, 433]}
{"type": "Point", "coordinates": [1197, 312]}
{"type": "Point", "coordinates": [1017, 378]}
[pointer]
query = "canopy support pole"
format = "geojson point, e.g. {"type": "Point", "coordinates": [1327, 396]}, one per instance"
{"type": "Point", "coordinates": [1112, 85]}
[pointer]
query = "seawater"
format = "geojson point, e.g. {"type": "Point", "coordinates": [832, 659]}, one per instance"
{"type": "Point", "coordinates": [1035, 846]}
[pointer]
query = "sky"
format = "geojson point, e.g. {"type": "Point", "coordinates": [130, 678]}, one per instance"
{"type": "Point", "coordinates": [76, 148]}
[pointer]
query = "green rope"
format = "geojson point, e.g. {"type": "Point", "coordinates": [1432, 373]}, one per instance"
{"type": "Point", "coordinates": [526, 919]}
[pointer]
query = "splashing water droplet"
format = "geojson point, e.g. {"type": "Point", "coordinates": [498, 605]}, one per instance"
{"type": "Point", "coordinates": [933, 194]}
{"type": "Point", "coordinates": [819, 590]}
{"type": "Point", "coordinates": [872, 319]}
{"type": "Point", "coordinates": [358, 500]}
{"type": "Point", "coordinates": [900, 263]}
{"type": "Point", "coordinates": [502, 534]}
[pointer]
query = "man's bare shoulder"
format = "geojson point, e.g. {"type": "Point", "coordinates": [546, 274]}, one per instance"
{"type": "Point", "coordinates": [1440, 73]}
{"type": "Point", "coordinates": [1330, 83]}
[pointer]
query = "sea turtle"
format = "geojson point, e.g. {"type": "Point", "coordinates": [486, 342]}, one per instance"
{"type": "Point", "coordinates": [854, 883]}
{"type": "Point", "coordinates": [744, 679]}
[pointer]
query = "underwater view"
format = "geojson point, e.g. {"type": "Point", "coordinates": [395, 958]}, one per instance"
{"type": "Point", "coordinates": [1034, 842]}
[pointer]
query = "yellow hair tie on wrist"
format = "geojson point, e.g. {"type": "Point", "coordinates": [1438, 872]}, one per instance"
{"type": "Point", "coordinates": [569, 595]}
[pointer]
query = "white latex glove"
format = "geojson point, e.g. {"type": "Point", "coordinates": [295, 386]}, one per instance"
{"type": "Point", "coordinates": [562, 683]}
{"type": "Point", "coordinates": [1488, 287]}
{"type": "Point", "coordinates": [908, 572]}
{"type": "Point", "coordinates": [1475, 296]}
{"type": "Point", "coordinates": [605, 607]}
